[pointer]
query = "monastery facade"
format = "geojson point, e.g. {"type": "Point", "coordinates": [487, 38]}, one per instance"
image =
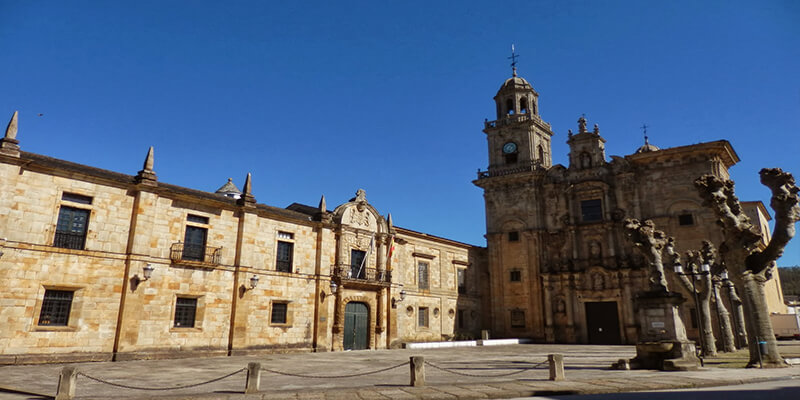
{"type": "Point", "coordinates": [100, 265]}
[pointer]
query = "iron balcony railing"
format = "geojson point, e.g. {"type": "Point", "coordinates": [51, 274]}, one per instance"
{"type": "Point", "coordinates": [182, 252]}
{"type": "Point", "coordinates": [70, 240]}
{"type": "Point", "coordinates": [508, 170]}
{"type": "Point", "coordinates": [346, 271]}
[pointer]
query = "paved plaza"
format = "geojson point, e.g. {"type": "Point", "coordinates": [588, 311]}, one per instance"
{"type": "Point", "coordinates": [451, 373]}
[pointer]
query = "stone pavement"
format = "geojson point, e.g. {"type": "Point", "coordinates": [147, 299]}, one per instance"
{"type": "Point", "coordinates": [454, 373]}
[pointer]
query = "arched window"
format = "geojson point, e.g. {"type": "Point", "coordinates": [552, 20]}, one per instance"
{"type": "Point", "coordinates": [541, 154]}
{"type": "Point", "coordinates": [586, 160]}
{"type": "Point", "coordinates": [510, 106]}
{"type": "Point", "coordinates": [523, 105]}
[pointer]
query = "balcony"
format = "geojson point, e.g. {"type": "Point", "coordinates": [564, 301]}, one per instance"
{"type": "Point", "coordinates": [513, 119]}
{"type": "Point", "coordinates": [368, 276]}
{"type": "Point", "coordinates": [187, 253]}
{"type": "Point", "coordinates": [509, 169]}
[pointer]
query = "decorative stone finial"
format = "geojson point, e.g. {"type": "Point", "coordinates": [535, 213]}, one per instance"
{"type": "Point", "coordinates": [322, 205]}
{"type": "Point", "coordinates": [9, 145]}
{"type": "Point", "coordinates": [389, 221]}
{"type": "Point", "coordinates": [581, 124]}
{"type": "Point", "coordinates": [11, 130]}
{"type": "Point", "coordinates": [247, 199]}
{"type": "Point", "coordinates": [147, 175]}
{"type": "Point", "coordinates": [596, 129]}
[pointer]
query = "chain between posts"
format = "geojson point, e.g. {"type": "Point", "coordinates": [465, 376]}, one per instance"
{"type": "Point", "coordinates": [334, 376]}
{"type": "Point", "coordinates": [451, 370]}
{"type": "Point", "coordinates": [165, 388]}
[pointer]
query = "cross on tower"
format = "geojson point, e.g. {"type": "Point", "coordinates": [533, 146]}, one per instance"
{"type": "Point", "coordinates": [513, 59]}
{"type": "Point", "coordinates": [644, 128]}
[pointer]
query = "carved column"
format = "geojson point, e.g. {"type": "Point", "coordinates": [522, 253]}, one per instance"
{"type": "Point", "coordinates": [381, 256]}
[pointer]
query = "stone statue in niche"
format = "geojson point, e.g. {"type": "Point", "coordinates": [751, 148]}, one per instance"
{"type": "Point", "coordinates": [598, 283]}
{"type": "Point", "coordinates": [595, 251]}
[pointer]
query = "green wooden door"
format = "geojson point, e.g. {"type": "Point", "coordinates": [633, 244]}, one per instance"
{"type": "Point", "coordinates": [356, 323]}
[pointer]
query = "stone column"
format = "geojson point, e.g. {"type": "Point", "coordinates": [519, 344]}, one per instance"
{"type": "Point", "coordinates": [549, 329]}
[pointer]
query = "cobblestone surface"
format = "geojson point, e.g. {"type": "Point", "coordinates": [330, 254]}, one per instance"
{"type": "Point", "coordinates": [586, 372]}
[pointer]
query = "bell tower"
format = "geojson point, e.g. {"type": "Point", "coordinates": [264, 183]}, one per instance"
{"type": "Point", "coordinates": [518, 139]}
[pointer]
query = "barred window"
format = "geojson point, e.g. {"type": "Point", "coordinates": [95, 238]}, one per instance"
{"type": "Point", "coordinates": [422, 275]}
{"type": "Point", "coordinates": [462, 281]}
{"type": "Point", "coordinates": [513, 236]}
{"type": "Point", "coordinates": [423, 317]}
{"type": "Point", "coordinates": [685, 219]}
{"type": "Point", "coordinates": [56, 307]}
{"type": "Point", "coordinates": [279, 312]}
{"type": "Point", "coordinates": [71, 228]}
{"type": "Point", "coordinates": [283, 263]}
{"type": "Point", "coordinates": [185, 311]}
{"type": "Point", "coordinates": [515, 276]}
{"type": "Point", "coordinates": [591, 210]}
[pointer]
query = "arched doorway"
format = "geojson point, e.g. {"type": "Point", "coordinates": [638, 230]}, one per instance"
{"type": "Point", "coordinates": [356, 326]}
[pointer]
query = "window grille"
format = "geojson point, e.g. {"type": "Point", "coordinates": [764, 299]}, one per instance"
{"type": "Point", "coordinates": [462, 281]}
{"type": "Point", "coordinates": [513, 236]}
{"type": "Point", "coordinates": [279, 312]}
{"type": "Point", "coordinates": [71, 228]}
{"type": "Point", "coordinates": [422, 275]}
{"type": "Point", "coordinates": [517, 318]}
{"type": "Point", "coordinates": [283, 262]}
{"type": "Point", "coordinates": [515, 276]}
{"type": "Point", "coordinates": [685, 219]}
{"type": "Point", "coordinates": [591, 210]}
{"type": "Point", "coordinates": [423, 317]}
{"type": "Point", "coordinates": [56, 307]}
{"type": "Point", "coordinates": [185, 311]}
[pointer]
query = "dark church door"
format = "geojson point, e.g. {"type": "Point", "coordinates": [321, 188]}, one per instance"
{"type": "Point", "coordinates": [356, 323]}
{"type": "Point", "coordinates": [602, 322]}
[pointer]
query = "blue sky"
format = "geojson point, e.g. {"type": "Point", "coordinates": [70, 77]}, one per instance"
{"type": "Point", "coordinates": [321, 98]}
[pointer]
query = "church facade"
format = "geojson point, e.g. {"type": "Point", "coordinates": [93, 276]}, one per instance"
{"type": "Point", "coordinates": [561, 267]}
{"type": "Point", "coordinates": [99, 265]}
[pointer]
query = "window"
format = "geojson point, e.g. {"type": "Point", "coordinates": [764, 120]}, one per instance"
{"type": "Point", "coordinates": [279, 313]}
{"type": "Point", "coordinates": [591, 210]}
{"type": "Point", "coordinates": [461, 275]}
{"type": "Point", "coordinates": [685, 219]}
{"type": "Point", "coordinates": [185, 311]}
{"type": "Point", "coordinates": [56, 307]}
{"type": "Point", "coordinates": [422, 317]}
{"type": "Point", "coordinates": [523, 105]}
{"type": "Point", "coordinates": [422, 275]}
{"type": "Point", "coordinates": [71, 225]}
{"type": "Point", "coordinates": [197, 219]}
{"type": "Point", "coordinates": [515, 276]}
{"type": "Point", "coordinates": [510, 106]}
{"type": "Point", "coordinates": [76, 198]}
{"type": "Point", "coordinates": [357, 267]}
{"type": "Point", "coordinates": [517, 318]}
{"type": "Point", "coordinates": [513, 236]}
{"type": "Point", "coordinates": [511, 158]}
{"type": "Point", "coordinates": [194, 241]}
{"type": "Point", "coordinates": [284, 260]}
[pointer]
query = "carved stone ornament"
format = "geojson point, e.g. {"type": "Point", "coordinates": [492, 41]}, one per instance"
{"type": "Point", "coordinates": [359, 217]}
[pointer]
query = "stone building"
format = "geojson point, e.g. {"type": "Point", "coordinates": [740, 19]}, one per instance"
{"type": "Point", "coordinates": [98, 265]}
{"type": "Point", "coordinates": [561, 268]}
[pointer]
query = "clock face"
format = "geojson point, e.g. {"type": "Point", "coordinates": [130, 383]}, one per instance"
{"type": "Point", "coordinates": [509, 148]}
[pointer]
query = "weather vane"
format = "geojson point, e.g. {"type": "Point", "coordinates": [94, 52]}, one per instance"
{"type": "Point", "coordinates": [513, 59]}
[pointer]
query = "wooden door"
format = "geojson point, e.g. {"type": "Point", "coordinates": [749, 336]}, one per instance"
{"type": "Point", "coordinates": [356, 326]}
{"type": "Point", "coordinates": [602, 322]}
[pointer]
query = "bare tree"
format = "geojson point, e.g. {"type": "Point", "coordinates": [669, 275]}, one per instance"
{"type": "Point", "coordinates": [651, 243]}
{"type": "Point", "coordinates": [699, 285]}
{"type": "Point", "coordinates": [748, 261]}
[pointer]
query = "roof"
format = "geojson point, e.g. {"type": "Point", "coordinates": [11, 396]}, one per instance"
{"type": "Point", "coordinates": [229, 187]}
{"type": "Point", "coordinates": [721, 148]}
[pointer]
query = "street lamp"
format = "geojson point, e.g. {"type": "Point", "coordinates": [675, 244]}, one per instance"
{"type": "Point", "coordinates": [705, 269]}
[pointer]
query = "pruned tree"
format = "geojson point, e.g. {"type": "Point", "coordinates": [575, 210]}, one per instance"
{"type": "Point", "coordinates": [700, 290]}
{"type": "Point", "coordinates": [749, 262]}
{"type": "Point", "coordinates": [651, 243]}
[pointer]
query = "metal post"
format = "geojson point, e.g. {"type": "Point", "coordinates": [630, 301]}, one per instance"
{"type": "Point", "coordinates": [417, 371]}
{"type": "Point", "coordinates": [253, 383]}
{"type": "Point", "coordinates": [66, 383]}
{"type": "Point", "coordinates": [556, 362]}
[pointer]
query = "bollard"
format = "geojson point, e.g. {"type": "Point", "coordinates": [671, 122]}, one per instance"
{"type": "Point", "coordinates": [253, 384]}
{"type": "Point", "coordinates": [417, 371]}
{"type": "Point", "coordinates": [66, 383]}
{"type": "Point", "coordinates": [556, 362]}
{"type": "Point", "coordinates": [484, 334]}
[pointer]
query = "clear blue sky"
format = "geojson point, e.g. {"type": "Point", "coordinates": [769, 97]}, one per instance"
{"type": "Point", "coordinates": [326, 97]}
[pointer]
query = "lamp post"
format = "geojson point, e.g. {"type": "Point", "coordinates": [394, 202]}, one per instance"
{"type": "Point", "coordinates": [705, 270]}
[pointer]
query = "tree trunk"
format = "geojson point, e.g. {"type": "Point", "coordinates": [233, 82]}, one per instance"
{"type": "Point", "coordinates": [723, 316]}
{"type": "Point", "coordinates": [759, 326]}
{"type": "Point", "coordinates": [740, 331]}
{"type": "Point", "coordinates": [701, 299]}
